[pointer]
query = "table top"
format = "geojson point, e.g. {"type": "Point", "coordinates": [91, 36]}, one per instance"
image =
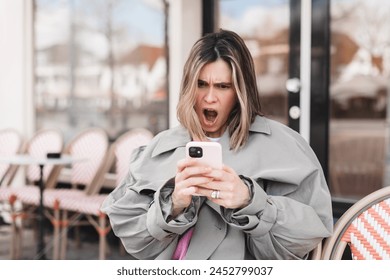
{"type": "Point", "coordinates": [31, 160]}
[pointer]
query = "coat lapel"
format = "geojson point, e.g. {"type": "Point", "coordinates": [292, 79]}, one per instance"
{"type": "Point", "coordinates": [168, 252]}
{"type": "Point", "coordinates": [210, 231]}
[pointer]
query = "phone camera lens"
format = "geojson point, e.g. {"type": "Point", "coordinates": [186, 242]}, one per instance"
{"type": "Point", "coordinates": [196, 152]}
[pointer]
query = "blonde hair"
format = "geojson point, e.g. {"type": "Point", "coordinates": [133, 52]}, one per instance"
{"type": "Point", "coordinates": [230, 47]}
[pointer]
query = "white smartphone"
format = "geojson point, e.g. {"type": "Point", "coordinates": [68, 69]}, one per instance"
{"type": "Point", "coordinates": [209, 153]}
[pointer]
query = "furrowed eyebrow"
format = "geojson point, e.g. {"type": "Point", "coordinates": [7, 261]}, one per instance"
{"type": "Point", "coordinates": [219, 84]}
{"type": "Point", "coordinates": [223, 84]}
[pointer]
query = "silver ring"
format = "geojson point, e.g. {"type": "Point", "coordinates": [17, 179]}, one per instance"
{"type": "Point", "coordinates": [215, 194]}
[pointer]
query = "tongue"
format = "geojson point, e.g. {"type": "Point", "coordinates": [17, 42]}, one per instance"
{"type": "Point", "coordinates": [210, 115]}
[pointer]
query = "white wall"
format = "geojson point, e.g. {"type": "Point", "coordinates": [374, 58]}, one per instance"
{"type": "Point", "coordinates": [185, 27]}
{"type": "Point", "coordinates": [16, 67]}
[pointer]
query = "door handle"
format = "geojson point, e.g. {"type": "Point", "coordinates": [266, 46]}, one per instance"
{"type": "Point", "coordinates": [293, 85]}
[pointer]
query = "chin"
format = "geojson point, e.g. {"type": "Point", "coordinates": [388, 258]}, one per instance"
{"type": "Point", "coordinates": [212, 134]}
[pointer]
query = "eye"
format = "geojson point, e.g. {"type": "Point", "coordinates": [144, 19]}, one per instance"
{"type": "Point", "coordinates": [224, 86]}
{"type": "Point", "coordinates": [201, 84]}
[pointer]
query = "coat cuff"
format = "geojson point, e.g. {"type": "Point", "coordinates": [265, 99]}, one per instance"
{"type": "Point", "coordinates": [159, 222]}
{"type": "Point", "coordinates": [258, 217]}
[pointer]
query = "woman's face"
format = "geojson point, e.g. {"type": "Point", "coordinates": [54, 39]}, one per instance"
{"type": "Point", "coordinates": [215, 97]}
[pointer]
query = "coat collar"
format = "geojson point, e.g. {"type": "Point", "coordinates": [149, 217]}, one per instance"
{"type": "Point", "coordinates": [179, 136]}
{"type": "Point", "coordinates": [261, 125]}
{"type": "Point", "coordinates": [172, 139]}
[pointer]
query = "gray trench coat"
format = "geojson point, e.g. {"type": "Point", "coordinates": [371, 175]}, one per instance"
{"type": "Point", "coordinates": [288, 215]}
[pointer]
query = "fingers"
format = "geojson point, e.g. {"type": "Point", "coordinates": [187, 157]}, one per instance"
{"type": "Point", "coordinates": [201, 191]}
{"type": "Point", "coordinates": [189, 191]}
{"type": "Point", "coordinates": [192, 172]}
{"type": "Point", "coordinates": [219, 197]}
{"type": "Point", "coordinates": [229, 190]}
{"type": "Point", "coordinates": [237, 198]}
{"type": "Point", "coordinates": [189, 175]}
{"type": "Point", "coordinates": [188, 168]}
{"type": "Point", "coordinates": [192, 181]}
{"type": "Point", "coordinates": [187, 162]}
{"type": "Point", "coordinates": [225, 174]}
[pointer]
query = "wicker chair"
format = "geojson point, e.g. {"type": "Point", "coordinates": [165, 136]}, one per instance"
{"type": "Point", "coordinates": [315, 254]}
{"type": "Point", "coordinates": [92, 145]}
{"type": "Point", "coordinates": [11, 143]}
{"type": "Point", "coordinates": [40, 144]}
{"type": "Point", "coordinates": [365, 227]}
{"type": "Point", "coordinates": [87, 203]}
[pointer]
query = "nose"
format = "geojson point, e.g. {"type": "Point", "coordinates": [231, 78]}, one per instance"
{"type": "Point", "coordinates": [210, 97]}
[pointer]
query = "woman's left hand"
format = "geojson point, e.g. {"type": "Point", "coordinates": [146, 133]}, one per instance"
{"type": "Point", "coordinates": [231, 190]}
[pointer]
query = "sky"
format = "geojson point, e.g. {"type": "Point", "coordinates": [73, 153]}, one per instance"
{"type": "Point", "coordinates": [142, 19]}
{"type": "Point", "coordinates": [236, 8]}
{"type": "Point", "coordinates": [254, 17]}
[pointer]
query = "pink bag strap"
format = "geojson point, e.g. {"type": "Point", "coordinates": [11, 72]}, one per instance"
{"type": "Point", "coordinates": [182, 245]}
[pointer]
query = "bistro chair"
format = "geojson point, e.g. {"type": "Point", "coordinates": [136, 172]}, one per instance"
{"type": "Point", "coordinates": [87, 204]}
{"type": "Point", "coordinates": [43, 142]}
{"type": "Point", "coordinates": [89, 145]}
{"type": "Point", "coordinates": [365, 228]}
{"type": "Point", "coordinates": [124, 146]}
{"type": "Point", "coordinates": [11, 143]}
{"type": "Point", "coordinates": [315, 254]}
{"type": "Point", "coordinates": [40, 144]}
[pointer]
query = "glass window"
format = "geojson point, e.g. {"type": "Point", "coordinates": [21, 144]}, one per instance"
{"type": "Point", "coordinates": [264, 25]}
{"type": "Point", "coordinates": [360, 75]}
{"type": "Point", "coordinates": [100, 63]}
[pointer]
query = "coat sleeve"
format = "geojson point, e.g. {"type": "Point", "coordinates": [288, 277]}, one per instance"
{"type": "Point", "coordinates": [287, 220]}
{"type": "Point", "coordinates": [139, 215]}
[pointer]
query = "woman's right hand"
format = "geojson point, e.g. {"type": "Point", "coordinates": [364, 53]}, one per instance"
{"type": "Point", "coordinates": [189, 175]}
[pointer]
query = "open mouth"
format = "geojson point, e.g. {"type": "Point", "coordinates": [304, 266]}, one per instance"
{"type": "Point", "coordinates": [210, 114]}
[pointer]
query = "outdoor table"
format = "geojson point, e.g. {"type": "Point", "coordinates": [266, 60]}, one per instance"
{"type": "Point", "coordinates": [41, 162]}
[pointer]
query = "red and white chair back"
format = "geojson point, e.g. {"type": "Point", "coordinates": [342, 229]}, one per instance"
{"type": "Point", "coordinates": [124, 147]}
{"type": "Point", "coordinates": [10, 144]}
{"type": "Point", "coordinates": [369, 234]}
{"type": "Point", "coordinates": [365, 228]}
{"type": "Point", "coordinates": [43, 142]}
{"type": "Point", "coordinates": [91, 146]}
{"type": "Point", "coordinates": [89, 201]}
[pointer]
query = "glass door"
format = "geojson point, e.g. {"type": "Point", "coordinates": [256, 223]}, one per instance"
{"type": "Point", "coordinates": [347, 87]}
{"type": "Point", "coordinates": [278, 34]}
{"type": "Point", "coordinates": [265, 27]}
{"type": "Point", "coordinates": [359, 88]}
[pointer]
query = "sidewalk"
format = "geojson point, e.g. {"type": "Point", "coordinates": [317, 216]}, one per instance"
{"type": "Point", "coordinates": [89, 249]}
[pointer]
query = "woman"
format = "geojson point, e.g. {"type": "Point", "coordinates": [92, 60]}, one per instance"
{"type": "Point", "coordinates": [270, 200]}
